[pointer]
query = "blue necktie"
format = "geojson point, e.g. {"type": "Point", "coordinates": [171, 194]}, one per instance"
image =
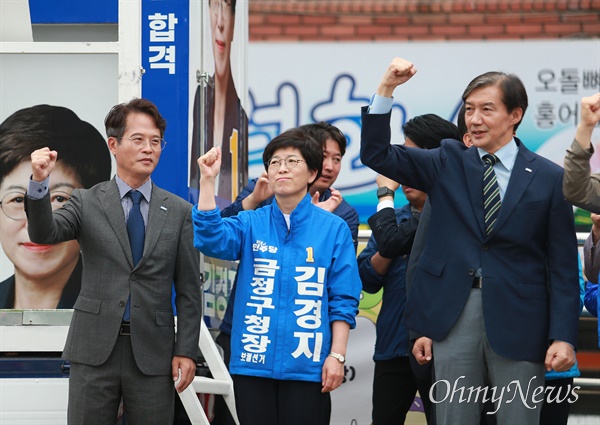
{"type": "Point", "coordinates": [137, 234]}
{"type": "Point", "coordinates": [491, 193]}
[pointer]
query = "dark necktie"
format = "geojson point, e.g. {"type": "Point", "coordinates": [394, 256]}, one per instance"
{"type": "Point", "coordinates": [137, 234]}
{"type": "Point", "coordinates": [491, 193]}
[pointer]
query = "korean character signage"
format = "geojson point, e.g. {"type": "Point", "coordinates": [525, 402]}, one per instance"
{"type": "Point", "coordinates": [165, 62]}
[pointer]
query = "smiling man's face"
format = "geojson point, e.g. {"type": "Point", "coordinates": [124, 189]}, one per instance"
{"type": "Point", "coordinates": [332, 165]}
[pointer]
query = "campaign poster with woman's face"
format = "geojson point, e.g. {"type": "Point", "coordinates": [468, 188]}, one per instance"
{"type": "Point", "coordinates": [220, 119]}
{"type": "Point", "coordinates": [57, 101]}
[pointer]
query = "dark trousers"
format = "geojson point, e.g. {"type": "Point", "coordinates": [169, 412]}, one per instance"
{"type": "Point", "coordinates": [557, 412]}
{"type": "Point", "coordinates": [264, 401]}
{"type": "Point", "coordinates": [394, 389]}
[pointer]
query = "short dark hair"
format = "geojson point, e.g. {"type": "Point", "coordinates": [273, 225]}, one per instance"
{"type": "Point", "coordinates": [116, 119]}
{"type": "Point", "coordinates": [322, 130]}
{"type": "Point", "coordinates": [514, 94]}
{"type": "Point", "coordinates": [310, 149]}
{"type": "Point", "coordinates": [80, 146]}
{"type": "Point", "coordinates": [460, 121]}
{"type": "Point", "coordinates": [427, 131]}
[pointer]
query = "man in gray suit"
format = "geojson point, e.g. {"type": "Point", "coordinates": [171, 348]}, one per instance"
{"type": "Point", "coordinates": [121, 341]}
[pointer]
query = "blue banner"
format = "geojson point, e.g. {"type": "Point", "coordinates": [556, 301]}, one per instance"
{"type": "Point", "coordinates": [74, 11]}
{"type": "Point", "coordinates": [165, 59]}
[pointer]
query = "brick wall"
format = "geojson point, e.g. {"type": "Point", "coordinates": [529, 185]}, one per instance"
{"type": "Point", "coordinates": [365, 20]}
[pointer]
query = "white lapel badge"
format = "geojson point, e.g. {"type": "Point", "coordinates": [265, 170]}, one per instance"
{"type": "Point", "coordinates": [528, 170]}
{"type": "Point", "coordinates": [163, 208]}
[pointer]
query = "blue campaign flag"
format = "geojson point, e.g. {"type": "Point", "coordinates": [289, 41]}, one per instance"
{"type": "Point", "coordinates": [165, 60]}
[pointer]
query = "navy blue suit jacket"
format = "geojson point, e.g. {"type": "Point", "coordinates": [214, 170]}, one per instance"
{"type": "Point", "coordinates": [529, 261]}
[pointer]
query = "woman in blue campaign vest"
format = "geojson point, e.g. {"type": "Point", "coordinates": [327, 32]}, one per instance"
{"type": "Point", "coordinates": [298, 287]}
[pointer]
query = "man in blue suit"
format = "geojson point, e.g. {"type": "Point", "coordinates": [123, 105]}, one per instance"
{"type": "Point", "coordinates": [495, 297]}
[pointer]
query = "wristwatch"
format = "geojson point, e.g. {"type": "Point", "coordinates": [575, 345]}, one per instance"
{"type": "Point", "coordinates": [384, 191]}
{"type": "Point", "coordinates": [339, 357]}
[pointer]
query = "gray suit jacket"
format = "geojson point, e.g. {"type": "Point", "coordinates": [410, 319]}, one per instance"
{"type": "Point", "coordinates": [580, 187]}
{"type": "Point", "coordinates": [95, 218]}
{"type": "Point", "coordinates": [591, 259]}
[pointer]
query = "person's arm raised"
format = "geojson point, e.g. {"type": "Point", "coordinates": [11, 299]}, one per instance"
{"type": "Point", "coordinates": [210, 165]}
{"type": "Point", "coordinates": [590, 115]}
{"type": "Point", "coordinates": [398, 72]}
{"type": "Point", "coordinates": [42, 163]}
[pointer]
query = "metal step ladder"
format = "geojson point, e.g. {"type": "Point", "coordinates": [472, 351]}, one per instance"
{"type": "Point", "coordinates": [221, 382]}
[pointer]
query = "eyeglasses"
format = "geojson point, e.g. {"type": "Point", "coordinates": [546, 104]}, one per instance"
{"type": "Point", "coordinates": [290, 162]}
{"type": "Point", "coordinates": [224, 5]}
{"type": "Point", "coordinates": [13, 203]}
{"type": "Point", "coordinates": [139, 142]}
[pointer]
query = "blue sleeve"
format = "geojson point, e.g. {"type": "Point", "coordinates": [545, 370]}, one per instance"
{"type": "Point", "coordinates": [236, 206]}
{"type": "Point", "coordinates": [372, 282]}
{"type": "Point", "coordinates": [380, 104]}
{"type": "Point", "coordinates": [37, 190]}
{"type": "Point", "coordinates": [591, 298]}
{"type": "Point", "coordinates": [218, 237]}
{"type": "Point", "coordinates": [581, 287]}
{"type": "Point", "coordinates": [343, 280]}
